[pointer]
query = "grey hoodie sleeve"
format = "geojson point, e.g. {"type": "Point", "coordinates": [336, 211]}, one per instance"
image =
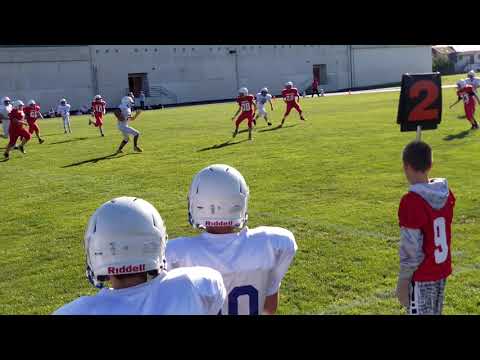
{"type": "Point", "coordinates": [411, 252]}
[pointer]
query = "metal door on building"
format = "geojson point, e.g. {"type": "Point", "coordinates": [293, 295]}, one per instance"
{"type": "Point", "coordinates": [138, 82]}
{"type": "Point", "coordinates": [320, 73]}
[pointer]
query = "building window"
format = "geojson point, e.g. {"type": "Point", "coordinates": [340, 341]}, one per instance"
{"type": "Point", "coordinates": [116, 50]}
{"type": "Point", "coordinates": [136, 50]}
{"type": "Point", "coordinates": [210, 49]}
{"type": "Point", "coordinates": [219, 49]}
{"type": "Point", "coordinates": [97, 51]}
{"type": "Point", "coordinates": [146, 50]}
{"type": "Point", "coordinates": [106, 51]}
{"type": "Point", "coordinates": [183, 50]}
{"type": "Point", "coordinates": [193, 49]}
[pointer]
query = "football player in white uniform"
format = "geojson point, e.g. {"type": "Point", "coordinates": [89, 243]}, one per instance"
{"type": "Point", "coordinates": [5, 109]}
{"type": "Point", "coordinates": [64, 110]}
{"type": "Point", "coordinates": [472, 80]}
{"type": "Point", "coordinates": [252, 261]}
{"type": "Point", "coordinates": [262, 98]}
{"type": "Point", "coordinates": [125, 244]}
{"type": "Point", "coordinates": [124, 116]}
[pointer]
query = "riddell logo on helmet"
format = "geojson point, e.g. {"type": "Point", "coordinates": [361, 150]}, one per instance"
{"type": "Point", "coordinates": [219, 223]}
{"type": "Point", "coordinates": [126, 269]}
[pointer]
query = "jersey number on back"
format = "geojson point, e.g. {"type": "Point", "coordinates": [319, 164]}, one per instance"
{"type": "Point", "coordinates": [238, 291]}
{"type": "Point", "coordinates": [441, 247]}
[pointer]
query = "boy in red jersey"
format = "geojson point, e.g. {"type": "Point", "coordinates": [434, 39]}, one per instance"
{"type": "Point", "coordinates": [425, 218]}
{"type": "Point", "coordinates": [247, 106]}
{"type": "Point", "coordinates": [467, 93]}
{"type": "Point", "coordinates": [32, 113]}
{"type": "Point", "coordinates": [290, 94]}
{"type": "Point", "coordinates": [98, 108]}
{"type": "Point", "coordinates": [16, 130]}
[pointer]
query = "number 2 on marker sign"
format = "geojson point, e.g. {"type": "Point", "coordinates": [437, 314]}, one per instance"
{"type": "Point", "coordinates": [420, 112]}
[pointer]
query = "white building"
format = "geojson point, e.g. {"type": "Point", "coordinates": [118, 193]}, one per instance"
{"type": "Point", "coordinates": [170, 74]}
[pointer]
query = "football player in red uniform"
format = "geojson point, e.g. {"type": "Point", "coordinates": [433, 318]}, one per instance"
{"type": "Point", "coordinates": [467, 93]}
{"type": "Point", "coordinates": [32, 113]}
{"type": "Point", "coordinates": [290, 94]}
{"type": "Point", "coordinates": [246, 105]}
{"type": "Point", "coordinates": [98, 109]}
{"type": "Point", "coordinates": [425, 218]}
{"type": "Point", "coordinates": [17, 130]}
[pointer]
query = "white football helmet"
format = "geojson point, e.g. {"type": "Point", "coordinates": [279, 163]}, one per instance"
{"type": "Point", "coordinates": [289, 84]}
{"type": "Point", "coordinates": [127, 100]}
{"type": "Point", "coordinates": [264, 90]}
{"type": "Point", "coordinates": [6, 99]}
{"type": "Point", "coordinates": [125, 235]}
{"type": "Point", "coordinates": [63, 101]}
{"type": "Point", "coordinates": [18, 103]}
{"type": "Point", "coordinates": [461, 84]}
{"type": "Point", "coordinates": [97, 97]}
{"type": "Point", "coordinates": [471, 74]}
{"type": "Point", "coordinates": [32, 102]}
{"type": "Point", "coordinates": [243, 91]}
{"type": "Point", "coordinates": [218, 197]}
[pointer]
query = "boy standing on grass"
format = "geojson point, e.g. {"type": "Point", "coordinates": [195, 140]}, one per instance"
{"type": "Point", "coordinates": [425, 218]}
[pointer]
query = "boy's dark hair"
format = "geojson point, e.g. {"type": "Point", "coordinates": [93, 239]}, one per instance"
{"type": "Point", "coordinates": [418, 155]}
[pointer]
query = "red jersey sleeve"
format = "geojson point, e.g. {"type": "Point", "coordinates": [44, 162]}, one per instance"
{"type": "Point", "coordinates": [411, 212]}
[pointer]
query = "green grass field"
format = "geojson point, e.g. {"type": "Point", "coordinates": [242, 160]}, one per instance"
{"type": "Point", "coordinates": [335, 181]}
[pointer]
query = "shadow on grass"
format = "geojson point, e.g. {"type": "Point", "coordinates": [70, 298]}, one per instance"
{"type": "Point", "coordinates": [222, 145]}
{"type": "Point", "coordinates": [460, 135]}
{"type": "Point", "coordinates": [95, 160]}
{"type": "Point", "coordinates": [277, 128]}
{"type": "Point", "coordinates": [461, 116]}
{"type": "Point", "coordinates": [67, 141]}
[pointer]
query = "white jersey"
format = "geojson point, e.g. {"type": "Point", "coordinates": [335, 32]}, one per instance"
{"type": "Point", "coordinates": [64, 110]}
{"type": "Point", "coordinates": [252, 262]}
{"type": "Point", "coordinates": [5, 110]}
{"type": "Point", "coordinates": [126, 111]}
{"type": "Point", "coordinates": [188, 291]}
{"type": "Point", "coordinates": [262, 100]}
{"type": "Point", "coordinates": [475, 82]}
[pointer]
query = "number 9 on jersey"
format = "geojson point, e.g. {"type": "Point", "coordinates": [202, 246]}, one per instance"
{"type": "Point", "coordinates": [420, 102]}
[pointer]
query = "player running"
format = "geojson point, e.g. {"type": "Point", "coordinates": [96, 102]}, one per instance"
{"type": "Point", "coordinates": [64, 110]}
{"type": "Point", "coordinates": [16, 130]}
{"type": "Point", "coordinates": [5, 109]}
{"type": "Point", "coordinates": [32, 113]}
{"type": "Point", "coordinates": [124, 116]}
{"type": "Point", "coordinates": [261, 99]}
{"type": "Point", "coordinates": [290, 94]}
{"type": "Point", "coordinates": [99, 107]}
{"type": "Point", "coordinates": [247, 106]}
{"type": "Point", "coordinates": [252, 262]}
{"type": "Point", "coordinates": [467, 93]}
{"type": "Point", "coordinates": [425, 218]}
{"type": "Point", "coordinates": [125, 244]}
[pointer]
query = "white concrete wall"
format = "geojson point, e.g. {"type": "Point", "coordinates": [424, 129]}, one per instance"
{"type": "Point", "coordinates": [208, 72]}
{"type": "Point", "coordinates": [380, 64]}
{"type": "Point", "coordinates": [192, 72]}
{"type": "Point", "coordinates": [46, 74]}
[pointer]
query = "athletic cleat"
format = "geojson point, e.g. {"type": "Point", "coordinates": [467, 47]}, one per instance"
{"type": "Point", "coordinates": [119, 152]}
{"type": "Point", "coordinates": [235, 133]}
{"type": "Point", "coordinates": [5, 155]}
{"type": "Point", "coordinates": [138, 149]}
{"type": "Point", "coordinates": [41, 141]}
{"type": "Point", "coordinates": [22, 150]}
{"type": "Point", "coordinates": [269, 124]}
{"type": "Point", "coordinates": [255, 122]}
